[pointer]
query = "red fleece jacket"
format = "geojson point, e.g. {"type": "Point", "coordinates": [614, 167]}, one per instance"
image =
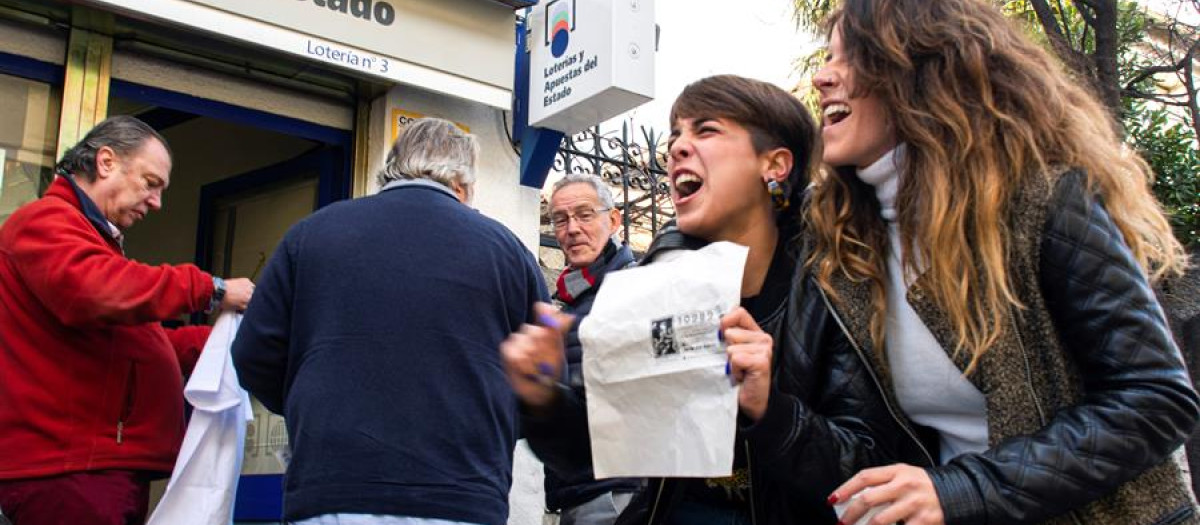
{"type": "Point", "coordinates": [89, 379]}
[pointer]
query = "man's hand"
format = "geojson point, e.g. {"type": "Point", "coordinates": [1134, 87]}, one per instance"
{"type": "Point", "coordinates": [533, 356]}
{"type": "Point", "coordinates": [749, 350]}
{"type": "Point", "coordinates": [237, 294]}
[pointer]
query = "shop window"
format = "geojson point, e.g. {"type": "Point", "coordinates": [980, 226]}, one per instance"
{"type": "Point", "coordinates": [29, 110]}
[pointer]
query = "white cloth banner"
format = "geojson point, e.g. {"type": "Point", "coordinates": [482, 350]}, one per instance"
{"type": "Point", "coordinates": [659, 402]}
{"type": "Point", "coordinates": [205, 478]}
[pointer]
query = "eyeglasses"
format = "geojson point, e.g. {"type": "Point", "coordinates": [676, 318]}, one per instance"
{"type": "Point", "coordinates": [581, 215]}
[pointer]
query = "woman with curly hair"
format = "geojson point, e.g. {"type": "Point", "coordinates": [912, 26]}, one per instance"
{"type": "Point", "coordinates": [991, 242]}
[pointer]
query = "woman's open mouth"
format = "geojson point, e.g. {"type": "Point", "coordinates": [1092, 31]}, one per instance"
{"type": "Point", "coordinates": [835, 113]}
{"type": "Point", "coordinates": [687, 184]}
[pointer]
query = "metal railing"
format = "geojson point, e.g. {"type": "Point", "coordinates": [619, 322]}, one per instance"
{"type": "Point", "coordinates": [633, 163]}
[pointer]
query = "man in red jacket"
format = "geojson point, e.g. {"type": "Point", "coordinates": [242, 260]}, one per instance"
{"type": "Point", "coordinates": [91, 385]}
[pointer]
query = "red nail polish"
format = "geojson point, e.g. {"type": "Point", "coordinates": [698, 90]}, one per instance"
{"type": "Point", "coordinates": [832, 500]}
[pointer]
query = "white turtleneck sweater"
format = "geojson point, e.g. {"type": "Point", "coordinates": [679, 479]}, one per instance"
{"type": "Point", "coordinates": [930, 388]}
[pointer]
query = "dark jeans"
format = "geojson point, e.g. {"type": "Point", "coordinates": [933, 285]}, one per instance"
{"type": "Point", "coordinates": [106, 497]}
{"type": "Point", "coordinates": [601, 510]}
{"type": "Point", "coordinates": [696, 513]}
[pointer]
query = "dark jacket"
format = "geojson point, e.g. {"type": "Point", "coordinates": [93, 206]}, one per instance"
{"type": "Point", "coordinates": [1087, 397]}
{"type": "Point", "coordinates": [1180, 298]}
{"type": "Point", "coordinates": [571, 484]}
{"type": "Point", "coordinates": [374, 332]}
{"type": "Point", "coordinates": [826, 418]}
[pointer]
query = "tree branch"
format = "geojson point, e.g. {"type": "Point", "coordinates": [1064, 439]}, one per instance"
{"type": "Point", "coordinates": [1083, 38]}
{"type": "Point", "coordinates": [1154, 70]}
{"type": "Point", "coordinates": [1157, 98]}
{"type": "Point", "coordinates": [1059, 44]}
{"type": "Point", "coordinates": [1107, 77]}
{"type": "Point", "coordinates": [1190, 84]}
{"type": "Point", "coordinates": [1062, 12]}
{"type": "Point", "coordinates": [1087, 11]}
{"type": "Point", "coordinates": [1045, 16]}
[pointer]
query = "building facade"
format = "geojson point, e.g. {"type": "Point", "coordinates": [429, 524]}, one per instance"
{"type": "Point", "coordinates": [273, 108]}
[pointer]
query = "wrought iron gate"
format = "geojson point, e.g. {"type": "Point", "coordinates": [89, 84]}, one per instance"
{"type": "Point", "coordinates": [634, 165]}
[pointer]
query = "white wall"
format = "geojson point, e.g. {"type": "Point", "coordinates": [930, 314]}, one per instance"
{"type": "Point", "coordinates": [467, 38]}
{"type": "Point", "coordinates": [39, 43]}
{"type": "Point", "coordinates": [239, 91]}
{"type": "Point", "coordinates": [498, 191]}
{"type": "Point", "coordinates": [526, 500]}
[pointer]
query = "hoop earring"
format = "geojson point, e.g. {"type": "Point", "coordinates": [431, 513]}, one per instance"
{"type": "Point", "coordinates": [779, 194]}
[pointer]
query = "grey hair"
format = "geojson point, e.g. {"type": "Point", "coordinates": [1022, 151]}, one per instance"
{"type": "Point", "coordinates": [434, 149]}
{"type": "Point", "coordinates": [602, 191]}
{"type": "Point", "coordinates": [124, 134]}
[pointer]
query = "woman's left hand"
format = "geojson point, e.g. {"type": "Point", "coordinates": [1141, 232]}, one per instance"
{"type": "Point", "coordinates": [749, 350]}
{"type": "Point", "coordinates": [906, 490]}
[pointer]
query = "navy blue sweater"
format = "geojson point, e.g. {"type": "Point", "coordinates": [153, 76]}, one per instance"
{"type": "Point", "coordinates": [375, 332]}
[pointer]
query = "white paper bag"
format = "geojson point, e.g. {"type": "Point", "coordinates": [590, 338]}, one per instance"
{"type": "Point", "coordinates": [659, 401]}
{"type": "Point", "coordinates": [205, 478]}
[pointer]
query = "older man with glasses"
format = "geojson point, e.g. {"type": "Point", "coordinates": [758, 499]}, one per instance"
{"type": "Point", "coordinates": [585, 219]}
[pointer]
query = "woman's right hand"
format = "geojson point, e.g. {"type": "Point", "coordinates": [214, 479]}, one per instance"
{"type": "Point", "coordinates": [750, 350]}
{"type": "Point", "coordinates": [533, 356]}
{"type": "Point", "coordinates": [904, 493]}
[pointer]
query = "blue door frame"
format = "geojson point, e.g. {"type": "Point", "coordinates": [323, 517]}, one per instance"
{"type": "Point", "coordinates": [334, 185]}
{"type": "Point", "coordinates": [31, 69]}
{"type": "Point", "coordinates": [324, 158]}
{"type": "Point", "coordinates": [259, 498]}
{"type": "Point", "coordinates": [19, 66]}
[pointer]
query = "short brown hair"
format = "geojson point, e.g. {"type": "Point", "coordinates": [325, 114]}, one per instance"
{"type": "Point", "coordinates": [774, 118]}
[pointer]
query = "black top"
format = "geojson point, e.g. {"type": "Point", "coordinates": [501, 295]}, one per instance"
{"type": "Point", "coordinates": [767, 309]}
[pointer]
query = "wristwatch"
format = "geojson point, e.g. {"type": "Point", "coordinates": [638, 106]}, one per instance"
{"type": "Point", "coordinates": [217, 296]}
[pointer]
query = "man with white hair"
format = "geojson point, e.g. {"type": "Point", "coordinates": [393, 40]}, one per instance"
{"type": "Point", "coordinates": [374, 332]}
{"type": "Point", "coordinates": [585, 219]}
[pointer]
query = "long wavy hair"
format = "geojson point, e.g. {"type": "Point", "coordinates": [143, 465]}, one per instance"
{"type": "Point", "coordinates": [982, 109]}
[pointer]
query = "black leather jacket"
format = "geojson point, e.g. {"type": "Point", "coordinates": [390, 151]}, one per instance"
{"type": "Point", "coordinates": [826, 418]}
{"type": "Point", "coordinates": [1087, 396]}
{"type": "Point", "coordinates": [570, 484]}
{"type": "Point", "coordinates": [1180, 298]}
